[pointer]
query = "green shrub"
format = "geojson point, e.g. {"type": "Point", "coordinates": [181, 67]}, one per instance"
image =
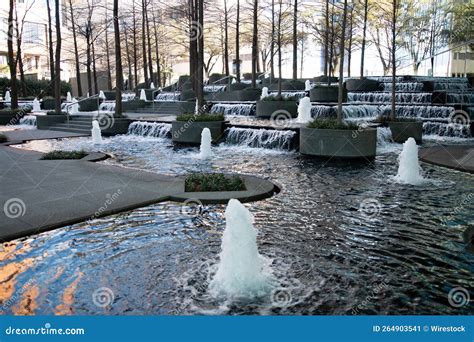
{"type": "Point", "coordinates": [57, 155]}
{"type": "Point", "coordinates": [34, 87]}
{"type": "Point", "coordinates": [200, 117]}
{"type": "Point", "coordinates": [279, 98]}
{"type": "Point", "coordinates": [199, 182]}
{"type": "Point", "coordinates": [332, 124]}
{"type": "Point", "coordinates": [3, 138]}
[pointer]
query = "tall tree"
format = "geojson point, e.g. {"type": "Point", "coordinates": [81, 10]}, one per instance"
{"type": "Point", "coordinates": [144, 51]}
{"type": "Point", "coordinates": [394, 54]}
{"type": "Point", "coordinates": [57, 61]}
{"type": "Point", "coordinates": [341, 64]}
{"type": "Point", "coordinates": [12, 61]}
{"type": "Point", "coordinates": [226, 39]}
{"type": "Point", "coordinates": [364, 38]}
{"type": "Point", "coordinates": [255, 44]}
{"type": "Point", "coordinates": [295, 40]}
{"type": "Point", "coordinates": [118, 62]}
{"type": "Point", "coordinates": [237, 42]}
{"type": "Point", "coordinates": [76, 49]}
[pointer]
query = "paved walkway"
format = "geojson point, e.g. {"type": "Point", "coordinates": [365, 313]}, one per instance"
{"type": "Point", "coordinates": [458, 157]}
{"type": "Point", "coordinates": [39, 195]}
{"type": "Point", "coordinates": [37, 134]}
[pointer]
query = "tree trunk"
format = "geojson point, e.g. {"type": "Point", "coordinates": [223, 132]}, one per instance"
{"type": "Point", "coordinates": [129, 61]}
{"type": "Point", "coordinates": [279, 48]}
{"type": "Point", "coordinates": [107, 52]}
{"type": "Point", "coordinates": [237, 42]}
{"type": "Point", "coordinates": [326, 40]}
{"type": "Point", "coordinates": [255, 44]}
{"type": "Point", "coordinates": [272, 44]}
{"type": "Point", "coordinates": [200, 80]}
{"type": "Point", "coordinates": [94, 70]}
{"type": "Point", "coordinates": [157, 51]}
{"type": "Point", "coordinates": [135, 47]}
{"type": "Point", "coordinates": [341, 65]}
{"type": "Point", "coordinates": [150, 63]}
{"type": "Point", "coordinates": [11, 57]}
{"type": "Point", "coordinates": [226, 40]}
{"type": "Point", "coordinates": [144, 52]}
{"type": "Point", "coordinates": [89, 63]}
{"type": "Point", "coordinates": [394, 64]}
{"type": "Point", "coordinates": [57, 61]}
{"type": "Point", "coordinates": [349, 47]}
{"type": "Point", "coordinates": [364, 39]}
{"type": "Point", "coordinates": [76, 50]}
{"type": "Point", "coordinates": [118, 63]}
{"type": "Point", "coordinates": [295, 41]}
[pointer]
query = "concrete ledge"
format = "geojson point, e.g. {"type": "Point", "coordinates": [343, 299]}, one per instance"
{"type": "Point", "coordinates": [402, 130]}
{"type": "Point", "coordinates": [189, 132]}
{"type": "Point", "coordinates": [257, 189]}
{"type": "Point", "coordinates": [460, 157]}
{"type": "Point", "coordinates": [283, 109]}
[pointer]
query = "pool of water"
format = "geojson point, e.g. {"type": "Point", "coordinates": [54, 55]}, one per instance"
{"type": "Point", "coordinates": [343, 238]}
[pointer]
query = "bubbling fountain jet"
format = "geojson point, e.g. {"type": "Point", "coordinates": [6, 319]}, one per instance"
{"type": "Point", "coordinates": [206, 140]}
{"type": "Point", "coordinates": [304, 110]}
{"type": "Point", "coordinates": [242, 272]}
{"type": "Point", "coordinates": [264, 93]}
{"type": "Point", "coordinates": [8, 97]}
{"type": "Point", "coordinates": [69, 97]}
{"type": "Point", "coordinates": [409, 170]}
{"type": "Point", "coordinates": [96, 133]}
{"type": "Point", "coordinates": [307, 85]}
{"type": "Point", "coordinates": [102, 95]}
{"type": "Point", "coordinates": [36, 105]}
{"type": "Point", "coordinates": [143, 95]}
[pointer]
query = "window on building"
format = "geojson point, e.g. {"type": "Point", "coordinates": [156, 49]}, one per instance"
{"type": "Point", "coordinates": [31, 33]}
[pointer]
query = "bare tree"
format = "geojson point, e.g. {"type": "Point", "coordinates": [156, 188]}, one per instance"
{"type": "Point", "coordinates": [12, 61]}
{"type": "Point", "coordinates": [118, 62]}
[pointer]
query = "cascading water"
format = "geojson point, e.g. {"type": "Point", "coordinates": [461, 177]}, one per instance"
{"type": "Point", "coordinates": [304, 111]}
{"type": "Point", "coordinates": [69, 97]}
{"type": "Point", "coordinates": [102, 95]}
{"type": "Point", "coordinates": [409, 170]}
{"type": "Point", "coordinates": [403, 86]}
{"type": "Point", "coordinates": [240, 109]}
{"type": "Point", "coordinates": [214, 88]}
{"type": "Point", "coordinates": [387, 97]}
{"type": "Point", "coordinates": [28, 120]}
{"type": "Point", "coordinates": [107, 106]}
{"type": "Point", "coordinates": [96, 133]}
{"type": "Point", "coordinates": [443, 129]}
{"type": "Point", "coordinates": [205, 151]}
{"type": "Point", "coordinates": [170, 97]}
{"type": "Point", "coordinates": [460, 98]}
{"type": "Point", "coordinates": [150, 129]}
{"type": "Point", "coordinates": [75, 107]}
{"type": "Point", "coordinates": [319, 111]}
{"type": "Point", "coordinates": [242, 273]}
{"type": "Point", "coordinates": [261, 138]}
{"type": "Point", "coordinates": [307, 85]}
{"type": "Point", "coordinates": [288, 94]}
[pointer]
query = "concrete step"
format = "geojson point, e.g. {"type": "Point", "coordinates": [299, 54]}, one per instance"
{"type": "Point", "coordinates": [74, 125]}
{"type": "Point", "coordinates": [71, 130]}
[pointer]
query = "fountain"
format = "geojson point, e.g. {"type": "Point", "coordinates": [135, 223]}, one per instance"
{"type": "Point", "coordinates": [36, 105]}
{"type": "Point", "coordinates": [96, 133]}
{"type": "Point", "coordinates": [150, 129]}
{"type": "Point", "coordinates": [142, 95]}
{"type": "Point", "coordinates": [69, 97]}
{"type": "Point", "coordinates": [152, 85]}
{"type": "Point", "coordinates": [242, 273]}
{"type": "Point", "coordinates": [102, 95]}
{"type": "Point", "coordinates": [264, 93]}
{"type": "Point", "coordinates": [409, 170]}
{"type": "Point", "coordinates": [279, 139]}
{"type": "Point", "coordinates": [74, 107]}
{"type": "Point", "coordinates": [206, 140]}
{"type": "Point", "coordinates": [307, 85]}
{"type": "Point", "coordinates": [8, 97]}
{"type": "Point", "coordinates": [304, 111]}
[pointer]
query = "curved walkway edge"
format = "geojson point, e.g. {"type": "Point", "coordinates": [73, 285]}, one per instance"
{"type": "Point", "coordinates": [458, 157]}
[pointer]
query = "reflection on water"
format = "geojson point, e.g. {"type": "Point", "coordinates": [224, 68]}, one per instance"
{"type": "Point", "coordinates": [342, 239]}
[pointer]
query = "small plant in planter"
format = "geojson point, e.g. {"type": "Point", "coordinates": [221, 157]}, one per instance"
{"type": "Point", "coordinates": [201, 182]}
{"type": "Point", "coordinates": [64, 155]}
{"type": "Point", "coordinates": [272, 104]}
{"type": "Point", "coordinates": [187, 128]}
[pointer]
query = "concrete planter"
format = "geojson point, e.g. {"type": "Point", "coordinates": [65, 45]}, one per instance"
{"type": "Point", "coordinates": [119, 126]}
{"type": "Point", "coordinates": [364, 84]}
{"type": "Point", "coordinates": [248, 94]}
{"type": "Point", "coordinates": [338, 143]}
{"type": "Point", "coordinates": [439, 97]}
{"type": "Point", "coordinates": [11, 117]}
{"type": "Point", "coordinates": [48, 104]}
{"type": "Point", "coordinates": [401, 131]}
{"type": "Point", "coordinates": [325, 79]}
{"type": "Point", "coordinates": [187, 95]}
{"type": "Point", "coordinates": [189, 132]}
{"type": "Point", "coordinates": [265, 109]}
{"type": "Point", "coordinates": [130, 106]}
{"type": "Point", "coordinates": [109, 95]}
{"type": "Point", "coordinates": [326, 94]}
{"type": "Point", "coordinates": [45, 121]}
{"type": "Point", "coordinates": [89, 105]}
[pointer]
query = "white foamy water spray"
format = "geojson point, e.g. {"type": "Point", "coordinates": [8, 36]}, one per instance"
{"type": "Point", "coordinates": [264, 93]}
{"type": "Point", "coordinates": [206, 139]}
{"type": "Point", "coordinates": [96, 133]}
{"type": "Point", "coordinates": [142, 95]}
{"type": "Point", "coordinates": [409, 170]}
{"type": "Point", "coordinates": [69, 97]}
{"type": "Point", "coordinates": [36, 105]}
{"type": "Point", "coordinates": [304, 110]}
{"type": "Point", "coordinates": [242, 272]}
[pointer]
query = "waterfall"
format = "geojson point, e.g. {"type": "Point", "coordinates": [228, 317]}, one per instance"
{"type": "Point", "coordinates": [443, 129]}
{"type": "Point", "coordinates": [128, 96]}
{"type": "Point", "coordinates": [233, 109]}
{"type": "Point", "coordinates": [368, 112]}
{"type": "Point", "coordinates": [387, 97]}
{"type": "Point", "coordinates": [150, 129]}
{"type": "Point", "coordinates": [287, 94]}
{"type": "Point", "coordinates": [29, 120]}
{"type": "Point", "coordinates": [214, 88]}
{"type": "Point", "coordinates": [107, 107]}
{"type": "Point", "coordinates": [169, 97]}
{"type": "Point", "coordinates": [321, 111]}
{"type": "Point", "coordinates": [460, 98]}
{"type": "Point", "coordinates": [262, 138]}
{"type": "Point", "coordinates": [403, 86]}
{"type": "Point", "coordinates": [451, 86]}
{"type": "Point", "coordinates": [421, 112]}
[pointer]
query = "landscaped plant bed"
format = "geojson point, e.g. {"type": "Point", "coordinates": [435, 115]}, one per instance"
{"type": "Point", "coordinates": [187, 128]}
{"type": "Point", "coordinates": [364, 84]}
{"type": "Point", "coordinates": [64, 155]}
{"type": "Point", "coordinates": [273, 106]}
{"type": "Point", "coordinates": [402, 129]}
{"type": "Point", "coordinates": [199, 182]}
{"type": "Point", "coordinates": [326, 94]}
{"type": "Point", "coordinates": [245, 188]}
{"type": "Point", "coordinates": [329, 138]}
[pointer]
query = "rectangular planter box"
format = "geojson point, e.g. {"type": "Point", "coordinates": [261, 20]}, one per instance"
{"type": "Point", "coordinates": [401, 131]}
{"type": "Point", "coordinates": [10, 118]}
{"type": "Point", "coordinates": [119, 126]}
{"type": "Point", "coordinates": [45, 121]}
{"type": "Point", "coordinates": [339, 143]}
{"type": "Point", "coordinates": [189, 132]}
{"type": "Point", "coordinates": [269, 109]}
{"type": "Point", "coordinates": [326, 94]}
